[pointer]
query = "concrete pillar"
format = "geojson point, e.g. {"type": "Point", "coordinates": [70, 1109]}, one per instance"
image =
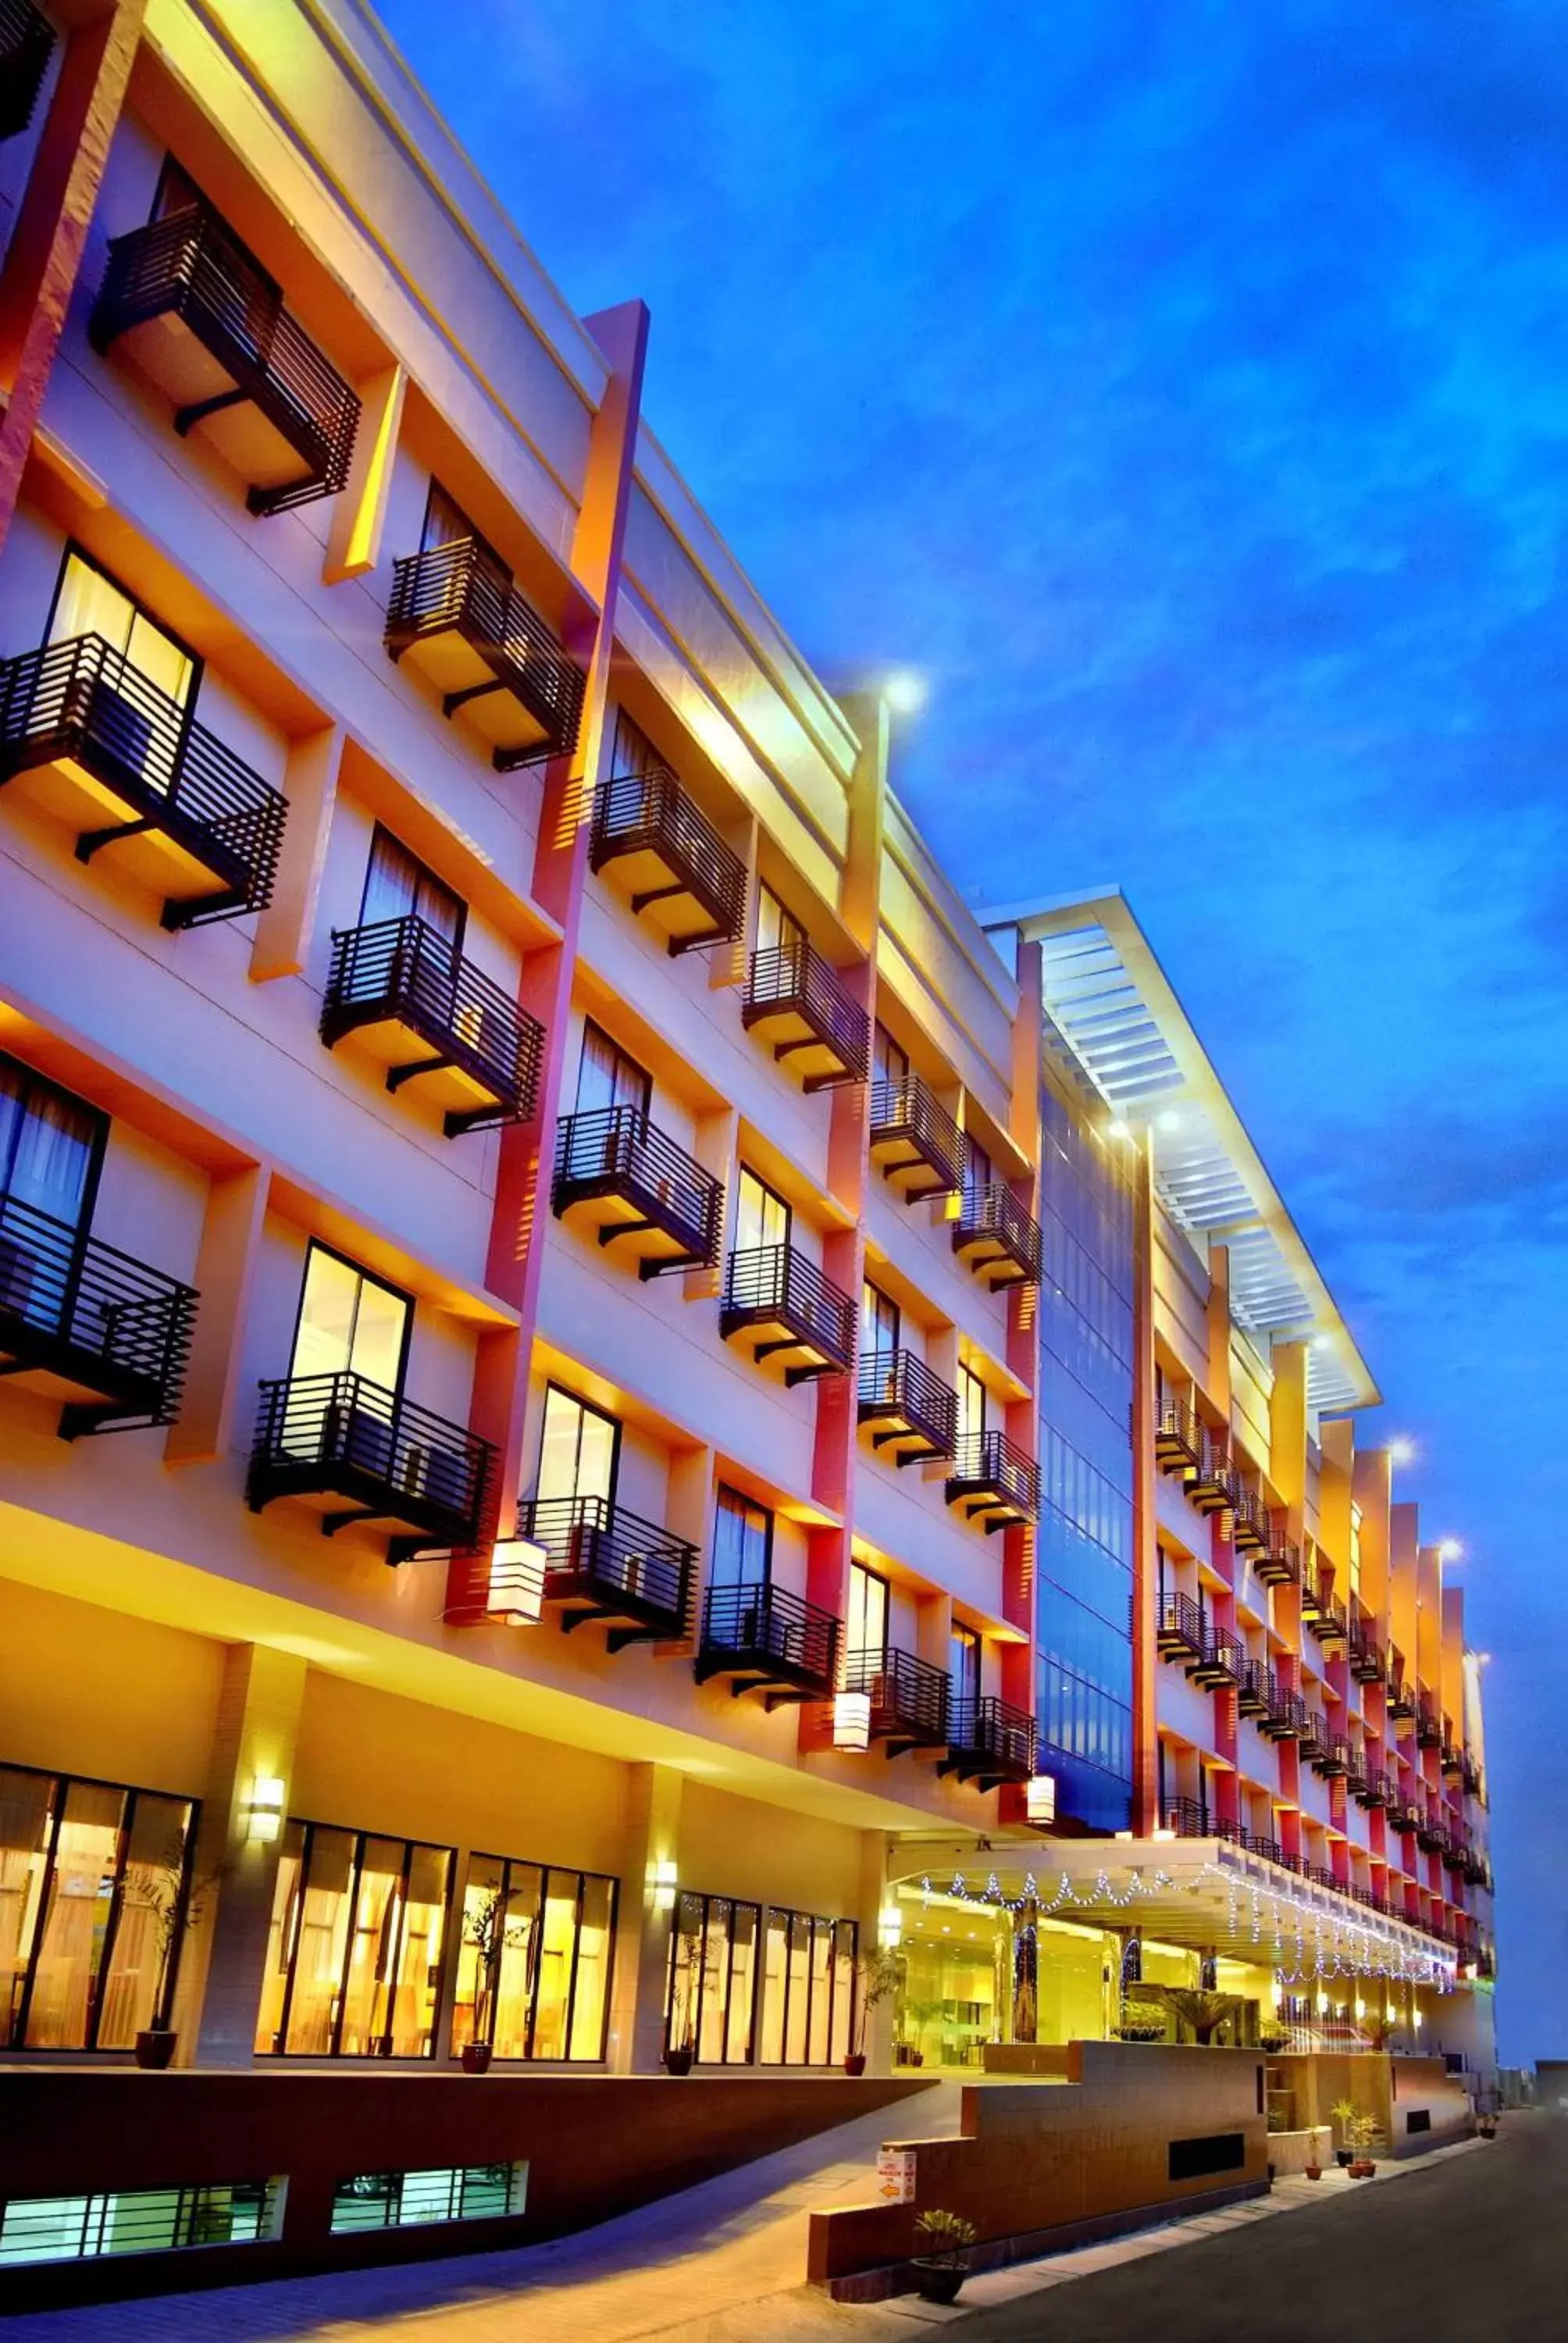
{"type": "Point", "coordinates": [225, 1271]}
{"type": "Point", "coordinates": [360, 514]}
{"type": "Point", "coordinates": [646, 1920]}
{"type": "Point", "coordinates": [257, 1723]}
{"type": "Point", "coordinates": [283, 931]}
{"type": "Point", "coordinates": [874, 1893]}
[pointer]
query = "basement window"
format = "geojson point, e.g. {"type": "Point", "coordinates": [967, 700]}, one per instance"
{"type": "Point", "coordinates": [139, 2221]}
{"type": "Point", "coordinates": [405, 2200]}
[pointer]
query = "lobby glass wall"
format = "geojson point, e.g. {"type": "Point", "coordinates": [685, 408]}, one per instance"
{"type": "Point", "coordinates": [1083, 1607]}
{"type": "Point", "coordinates": [750, 1982]}
{"type": "Point", "coordinates": [354, 1959]}
{"type": "Point", "coordinates": [85, 1870]}
{"type": "Point", "coordinates": [549, 1936]}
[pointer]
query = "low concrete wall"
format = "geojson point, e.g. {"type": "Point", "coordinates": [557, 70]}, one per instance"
{"type": "Point", "coordinates": [1293, 2151]}
{"type": "Point", "coordinates": [594, 2145]}
{"type": "Point", "coordinates": [1137, 2133]}
{"type": "Point", "coordinates": [1417, 2103]}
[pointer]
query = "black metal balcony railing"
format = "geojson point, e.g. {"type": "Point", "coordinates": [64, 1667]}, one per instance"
{"type": "Point", "coordinates": [669, 1206]}
{"type": "Point", "coordinates": [1428, 1728]}
{"type": "Point", "coordinates": [907, 1410]}
{"type": "Point", "coordinates": [604, 1562]}
{"type": "Point", "coordinates": [461, 589]}
{"type": "Point", "coordinates": [1220, 1665]}
{"type": "Point", "coordinates": [1178, 1436]}
{"type": "Point", "coordinates": [1453, 1761]}
{"type": "Point", "coordinates": [1254, 1689]}
{"type": "Point", "coordinates": [1367, 1664]}
{"type": "Point", "coordinates": [1374, 1787]}
{"type": "Point", "coordinates": [86, 1314]}
{"type": "Point", "coordinates": [909, 1699]}
{"type": "Point", "coordinates": [1279, 1563]}
{"type": "Point", "coordinates": [915, 1142]}
{"type": "Point", "coordinates": [341, 1435]}
{"type": "Point", "coordinates": [993, 1234]}
{"type": "Point", "coordinates": [1316, 1740]}
{"type": "Point", "coordinates": [83, 702]}
{"type": "Point", "coordinates": [1181, 1630]}
{"type": "Point", "coordinates": [677, 860]}
{"type": "Point", "coordinates": [1248, 1516]}
{"type": "Point", "coordinates": [1404, 1815]}
{"type": "Point", "coordinates": [989, 1742]}
{"type": "Point", "coordinates": [1286, 1718]}
{"type": "Point", "coordinates": [190, 266]}
{"type": "Point", "coordinates": [777, 1291]}
{"type": "Point", "coordinates": [1192, 1818]}
{"type": "Point", "coordinates": [793, 991]}
{"type": "Point", "coordinates": [993, 1481]}
{"type": "Point", "coordinates": [465, 1034]}
{"type": "Point", "coordinates": [766, 1639]}
{"type": "Point", "coordinates": [1401, 1694]}
{"type": "Point", "coordinates": [1209, 1482]}
{"type": "Point", "coordinates": [25, 42]}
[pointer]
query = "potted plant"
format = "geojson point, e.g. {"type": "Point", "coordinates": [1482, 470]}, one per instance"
{"type": "Point", "coordinates": [681, 2045]}
{"type": "Point", "coordinates": [1272, 2044]}
{"type": "Point", "coordinates": [1205, 2013]}
{"type": "Point", "coordinates": [1141, 2022]}
{"type": "Point", "coordinates": [1487, 2124]}
{"type": "Point", "coordinates": [484, 1927]}
{"type": "Point", "coordinates": [1344, 2113]}
{"type": "Point", "coordinates": [1360, 2130]}
{"type": "Point", "coordinates": [174, 1906]}
{"type": "Point", "coordinates": [940, 2269]}
{"type": "Point", "coordinates": [876, 1978]}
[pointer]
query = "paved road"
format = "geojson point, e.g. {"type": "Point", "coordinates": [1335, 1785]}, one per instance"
{"type": "Point", "coordinates": [1474, 2250]}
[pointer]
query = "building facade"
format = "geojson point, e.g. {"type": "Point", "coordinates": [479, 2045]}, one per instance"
{"type": "Point", "coordinates": [601, 1388]}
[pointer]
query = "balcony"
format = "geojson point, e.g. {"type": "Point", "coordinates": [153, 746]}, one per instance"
{"type": "Point", "coordinates": [1181, 1633]}
{"type": "Point", "coordinates": [354, 1452]}
{"type": "Point", "coordinates": [1453, 1761]}
{"type": "Point", "coordinates": [995, 1238]}
{"type": "Point", "coordinates": [765, 1639]}
{"type": "Point", "coordinates": [618, 1176]}
{"type": "Point", "coordinates": [1373, 1787]}
{"type": "Point", "coordinates": [783, 1305]}
{"type": "Point", "coordinates": [909, 1699]}
{"type": "Point", "coordinates": [429, 1016]}
{"type": "Point", "coordinates": [1279, 1563]}
{"type": "Point", "coordinates": [796, 1002]}
{"type": "Point", "coordinates": [909, 1412]}
{"type": "Point", "coordinates": [992, 1482]}
{"type": "Point", "coordinates": [1249, 1517]}
{"type": "Point", "coordinates": [25, 41]}
{"type": "Point", "coordinates": [87, 1325]}
{"type": "Point", "coordinates": [603, 1563]}
{"type": "Point", "coordinates": [1400, 1696]}
{"type": "Point", "coordinates": [1220, 1665]}
{"type": "Point", "coordinates": [1254, 1690]}
{"type": "Point", "coordinates": [915, 1143]}
{"type": "Point", "coordinates": [1404, 1815]}
{"type": "Point", "coordinates": [1428, 1727]}
{"type": "Point", "coordinates": [1178, 1438]}
{"type": "Point", "coordinates": [1429, 1832]}
{"type": "Point", "coordinates": [1287, 1717]}
{"type": "Point", "coordinates": [458, 619]}
{"type": "Point", "coordinates": [87, 737]}
{"type": "Point", "coordinates": [989, 1742]}
{"type": "Point", "coordinates": [1209, 1484]}
{"type": "Point", "coordinates": [195, 314]}
{"type": "Point", "coordinates": [1315, 1741]}
{"type": "Point", "coordinates": [1323, 1613]}
{"type": "Point", "coordinates": [669, 860]}
{"type": "Point", "coordinates": [1366, 1656]}
{"type": "Point", "coordinates": [1471, 1776]}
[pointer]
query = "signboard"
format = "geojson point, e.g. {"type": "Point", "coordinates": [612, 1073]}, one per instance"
{"type": "Point", "coordinates": [895, 2175]}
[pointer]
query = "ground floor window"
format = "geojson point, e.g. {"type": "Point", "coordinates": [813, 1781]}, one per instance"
{"type": "Point", "coordinates": [756, 1983]}
{"type": "Point", "coordinates": [354, 1958]}
{"type": "Point", "coordinates": [139, 2221]}
{"type": "Point", "coordinates": [93, 1881]}
{"type": "Point", "coordinates": [534, 1960]}
{"type": "Point", "coordinates": [405, 2200]}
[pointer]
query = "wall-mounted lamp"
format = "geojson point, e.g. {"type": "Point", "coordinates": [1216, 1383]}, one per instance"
{"type": "Point", "coordinates": [264, 1810]}
{"type": "Point", "coordinates": [664, 1876]}
{"type": "Point", "coordinates": [889, 1928]}
{"type": "Point", "coordinates": [852, 1720]}
{"type": "Point", "coordinates": [1040, 1800]}
{"type": "Point", "coordinates": [516, 1593]}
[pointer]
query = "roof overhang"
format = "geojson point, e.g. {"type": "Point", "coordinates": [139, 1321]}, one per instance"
{"type": "Point", "coordinates": [1112, 1010]}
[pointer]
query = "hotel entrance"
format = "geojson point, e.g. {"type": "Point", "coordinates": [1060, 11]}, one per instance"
{"type": "Point", "coordinates": [973, 1974]}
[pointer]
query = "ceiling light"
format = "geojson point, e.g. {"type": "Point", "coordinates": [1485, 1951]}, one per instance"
{"type": "Point", "coordinates": [1169, 1121]}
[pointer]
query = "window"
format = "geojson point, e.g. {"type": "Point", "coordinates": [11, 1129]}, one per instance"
{"type": "Point", "coordinates": [880, 1322]}
{"type": "Point", "coordinates": [777, 929]}
{"type": "Point", "coordinates": [762, 1219]}
{"type": "Point", "coordinates": [807, 1989]}
{"type": "Point", "coordinates": [546, 1938]}
{"type": "Point", "coordinates": [89, 601]}
{"type": "Point", "coordinates": [349, 1322]}
{"type": "Point", "coordinates": [85, 1869]}
{"type": "Point", "coordinates": [971, 1405]}
{"type": "Point", "coordinates": [139, 2221]}
{"type": "Point", "coordinates": [866, 1625]}
{"type": "Point", "coordinates": [978, 1170]}
{"type": "Point", "coordinates": [712, 1995]}
{"type": "Point", "coordinates": [50, 1146]}
{"type": "Point", "coordinates": [580, 1449]}
{"type": "Point", "coordinates": [398, 884]}
{"type": "Point", "coordinates": [742, 1542]}
{"type": "Point", "coordinates": [966, 1667]}
{"type": "Point", "coordinates": [890, 1062]}
{"type": "Point", "coordinates": [634, 751]}
{"type": "Point", "coordinates": [608, 1077]}
{"type": "Point", "coordinates": [353, 1957]}
{"type": "Point", "coordinates": [403, 2200]}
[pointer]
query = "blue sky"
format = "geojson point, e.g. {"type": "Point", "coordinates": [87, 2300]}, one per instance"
{"type": "Point", "coordinates": [1179, 386]}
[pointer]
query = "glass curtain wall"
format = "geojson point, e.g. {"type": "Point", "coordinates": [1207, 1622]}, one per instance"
{"type": "Point", "coordinates": [546, 1938]}
{"type": "Point", "coordinates": [354, 1956]}
{"type": "Point", "coordinates": [1084, 1605]}
{"type": "Point", "coordinates": [725, 1953]}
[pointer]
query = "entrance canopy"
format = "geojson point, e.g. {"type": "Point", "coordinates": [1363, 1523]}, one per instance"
{"type": "Point", "coordinates": [1202, 1893]}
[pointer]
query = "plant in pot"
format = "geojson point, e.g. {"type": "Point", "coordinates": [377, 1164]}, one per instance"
{"type": "Point", "coordinates": [1487, 2124]}
{"type": "Point", "coordinates": [877, 1976]}
{"type": "Point", "coordinates": [1205, 2013]}
{"type": "Point", "coordinates": [940, 2269]}
{"type": "Point", "coordinates": [1343, 2114]}
{"type": "Point", "coordinates": [172, 1906]}
{"type": "Point", "coordinates": [1141, 2022]}
{"type": "Point", "coordinates": [680, 2042]}
{"type": "Point", "coordinates": [1273, 2043]}
{"type": "Point", "coordinates": [484, 1927]}
{"type": "Point", "coordinates": [1358, 2131]}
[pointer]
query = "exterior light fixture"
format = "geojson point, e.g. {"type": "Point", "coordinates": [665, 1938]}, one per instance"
{"type": "Point", "coordinates": [889, 1928]}
{"type": "Point", "coordinates": [265, 1810]}
{"type": "Point", "coordinates": [905, 692]}
{"type": "Point", "coordinates": [1039, 1799]}
{"type": "Point", "coordinates": [852, 1720]}
{"type": "Point", "coordinates": [1450, 1550]}
{"type": "Point", "coordinates": [1402, 1451]}
{"type": "Point", "coordinates": [516, 1592]}
{"type": "Point", "coordinates": [1162, 1834]}
{"type": "Point", "coordinates": [663, 1876]}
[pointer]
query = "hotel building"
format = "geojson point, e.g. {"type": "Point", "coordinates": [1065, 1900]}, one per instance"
{"type": "Point", "coordinates": [608, 1398]}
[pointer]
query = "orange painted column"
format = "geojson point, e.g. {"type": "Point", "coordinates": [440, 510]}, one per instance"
{"type": "Point", "coordinates": [545, 990]}
{"type": "Point", "coordinates": [44, 258]}
{"type": "Point", "coordinates": [1145, 1543]}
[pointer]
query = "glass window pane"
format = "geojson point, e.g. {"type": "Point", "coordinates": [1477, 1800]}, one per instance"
{"type": "Point", "coordinates": [742, 1984]}
{"type": "Point", "coordinates": [845, 1939]}
{"type": "Point", "coordinates": [26, 1817]}
{"type": "Point", "coordinates": [596, 1949]}
{"type": "Point", "coordinates": [889, 1064]}
{"type": "Point", "coordinates": [867, 1623]}
{"type": "Point", "coordinates": [519, 1959]}
{"type": "Point", "coordinates": [761, 1218]}
{"type": "Point", "coordinates": [88, 603]}
{"type": "Point", "coordinates": [146, 1943]}
{"type": "Point", "coordinates": [280, 1937]}
{"type": "Point", "coordinates": [775, 1988]}
{"type": "Point", "coordinates": [819, 2036]}
{"type": "Point", "coordinates": [81, 1890]}
{"type": "Point", "coordinates": [798, 1987]}
{"type": "Point", "coordinates": [777, 929]}
{"type": "Point", "coordinates": [330, 1301]}
{"type": "Point", "coordinates": [608, 1077]}
{"type": "Point", "coordinates": [479, 1933]}
{"type": "Point", "coordinates": [713, 1982]}
{"type": "Point", "coordinates": [739, 1541]}
{"type": "Point", "coordinates": [373, 1948]}
{"type": "Point", "coordinates": [412, 2022]}
{"type": "Point", "coordinates": [557, 1942]}
{"type": "Point", "coordinates": [321, 1942]}
{"type": "Point", "coordinates": [160, 658]}
{"type": "Point", "coordinates": [378, 1332]}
